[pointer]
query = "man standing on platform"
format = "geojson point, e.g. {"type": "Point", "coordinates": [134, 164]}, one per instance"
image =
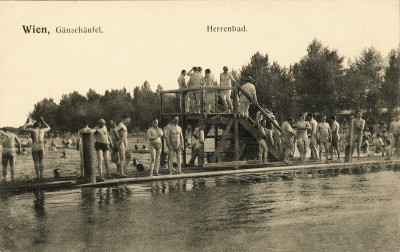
{"type": "Point", "coordinates": [359, 125]}
{"type": "Point", "coordinates": [226, 81]}
{"type": "Point", "coordinates": [102, 144]}
{"type": "Point", "coordinates": [8, 153]}
{"type": "Point", "coordinates": [123, 146]}
{"type": "Point", "coordinates": [182, 85]}
{"type": "Point", "coordinates": [287, 139]}
{"type": "Point", "coordinates": [394, 129]}
{"type": "Point", "coordinates": [194, 82]}
{"type": "Point", "coordinates": [325, 136]}
{"type": "Point", "coordinates": [209, 99]}
{"type": "Point", "coordinates": [250, 89]}
{"type": "Point", "coordinates": [313, 134]}
{"type": "Point", "coordinates": [174, 141]}
{"type": "Point", "coordinates": [198, 146]}
{"type": "Point", "coordinates": [37, 134]}
{"type": "Point", "coordinates": [335, 137]}
{"type": "Point", "coordinates": [114, 139]}
{"type": "Point", "coordinates": [302, 126]}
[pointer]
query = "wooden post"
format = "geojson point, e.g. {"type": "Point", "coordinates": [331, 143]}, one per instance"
{"type": "Point", "coordinates": [202, 102]}
{"type": "Point", "coordinates": [184, 126]}
{"type": "Point", "coordinates": [349, 148]}
{"type": "Point", "coordinates": [88, 158]}
{"type": "Point", "coordinates": [235, 124]}
{"type": "Point", "coordinates": [161, 103]}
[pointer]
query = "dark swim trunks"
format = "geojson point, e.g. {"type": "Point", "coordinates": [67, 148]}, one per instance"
{"type": "Point", "coordinates": [101, 146]}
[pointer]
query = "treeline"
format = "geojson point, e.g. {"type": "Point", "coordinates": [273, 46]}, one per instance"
{"type": "Point", "coordinates": [74, 108]}
{"type": "Point", "coordinates": [320, 82]}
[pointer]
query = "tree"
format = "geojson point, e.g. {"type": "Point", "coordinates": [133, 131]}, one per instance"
{"type": "Point", "coordinates": [318, 77]}
{"type": "Point", "coordinates": [146, 106]}
{"type": "Point", "coordinates": [364, 79]}
{"type": "Point", "coordinates": [72, 110]}
{"type": "Point", "coordinates": [47, 109]}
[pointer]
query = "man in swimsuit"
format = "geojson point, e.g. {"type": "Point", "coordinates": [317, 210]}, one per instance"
{"type": "Point", "coordinates": [114, 139]}
{"type": "Point", "coordinates": [209, 99]}
{"type": "Point", "coordinates": [195, 81]}
{"type": "Point", "coordinates": [8, 155]}
{"type": "Point", "coordinates": [335, 137]}
{"type": "Point", "coordinates": [263, 134]}
{"type": "Point", "coordinates": [359, 125]}
{"type": "Point", "coordinates": [250, 89]}
{"type": "Point", "coordinates": [226, 81]}
{"type": "Point", "coordinates": [174, 141]}
{"type": "Point", "coordinates": [313, 135]}
{"type": "Point", "coordinates": [182, 85]}
{"type": "Point", "coordinates": [325, 136]}
{"type": "Point", "coordinates": [37, 134]}
{"type": "Point", "coordinates": [103, 141]}
{"type": "Point", "coordinates": [154, 134]}
{"type": "Point", "coordinates": [198, 146]}
{"type": "Point", "coordinates": [122, 143]}
{"type": "Point", "coordinates": [287, 139]}
{"type": "Point", "coordinates": [394, 129]}
{"type": "Point", "coordinates": [301, 134]}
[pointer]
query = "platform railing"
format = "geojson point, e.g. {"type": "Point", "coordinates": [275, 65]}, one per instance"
{"type": "Point", "coordinates": [200, 106]}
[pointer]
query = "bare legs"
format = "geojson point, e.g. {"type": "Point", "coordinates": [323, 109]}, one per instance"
{"type": "Point", "coordinates": [171, 160]}
{"type": "Point", "coordinates": [155, 160]}
{"type": "Point", "coordinates": [100, 154]}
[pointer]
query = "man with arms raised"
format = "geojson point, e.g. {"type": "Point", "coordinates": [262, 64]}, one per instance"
{"type": "Point", "coordinates": [37, 134]}
{"type": "Point", "coordinates": [8, 155]}
{"type": "Point", "coordinates": [394, 129]}
{"type": "Point", "coordinates": [122, 143]}
{"type": "Point", "coordinates": [174, 141]}
{"type": "Point", "coordinates": [325, 136]}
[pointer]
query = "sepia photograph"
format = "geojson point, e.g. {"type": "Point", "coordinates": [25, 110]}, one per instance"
{"type": "Point", "coordinates": [200, 125]}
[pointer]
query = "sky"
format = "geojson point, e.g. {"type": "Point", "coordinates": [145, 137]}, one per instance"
{"type": "Point", "coordinates": [155, 40]}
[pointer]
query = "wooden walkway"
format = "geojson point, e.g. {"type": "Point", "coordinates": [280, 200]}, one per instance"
{"type": "Point", "coordinates": [229, 168]}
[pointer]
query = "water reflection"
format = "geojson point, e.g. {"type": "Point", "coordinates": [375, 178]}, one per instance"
{"type": "Point", "coordinates": [41, 234]}
{"type": "Point", "coordinates": [234, 212]}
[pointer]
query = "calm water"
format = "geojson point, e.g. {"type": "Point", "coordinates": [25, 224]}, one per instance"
{"type": "Point", "coordinates": [333, 210]}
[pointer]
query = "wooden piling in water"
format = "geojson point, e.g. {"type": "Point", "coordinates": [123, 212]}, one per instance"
{"type": "Point", "coordinates": [88, 158]}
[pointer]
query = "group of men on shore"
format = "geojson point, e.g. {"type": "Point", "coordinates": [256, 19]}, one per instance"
{"type": "Point", "coordinates": [310, 133]}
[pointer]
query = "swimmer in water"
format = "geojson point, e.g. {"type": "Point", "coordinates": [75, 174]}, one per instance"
{"type": "Point", "coordinates": [154, 134]}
